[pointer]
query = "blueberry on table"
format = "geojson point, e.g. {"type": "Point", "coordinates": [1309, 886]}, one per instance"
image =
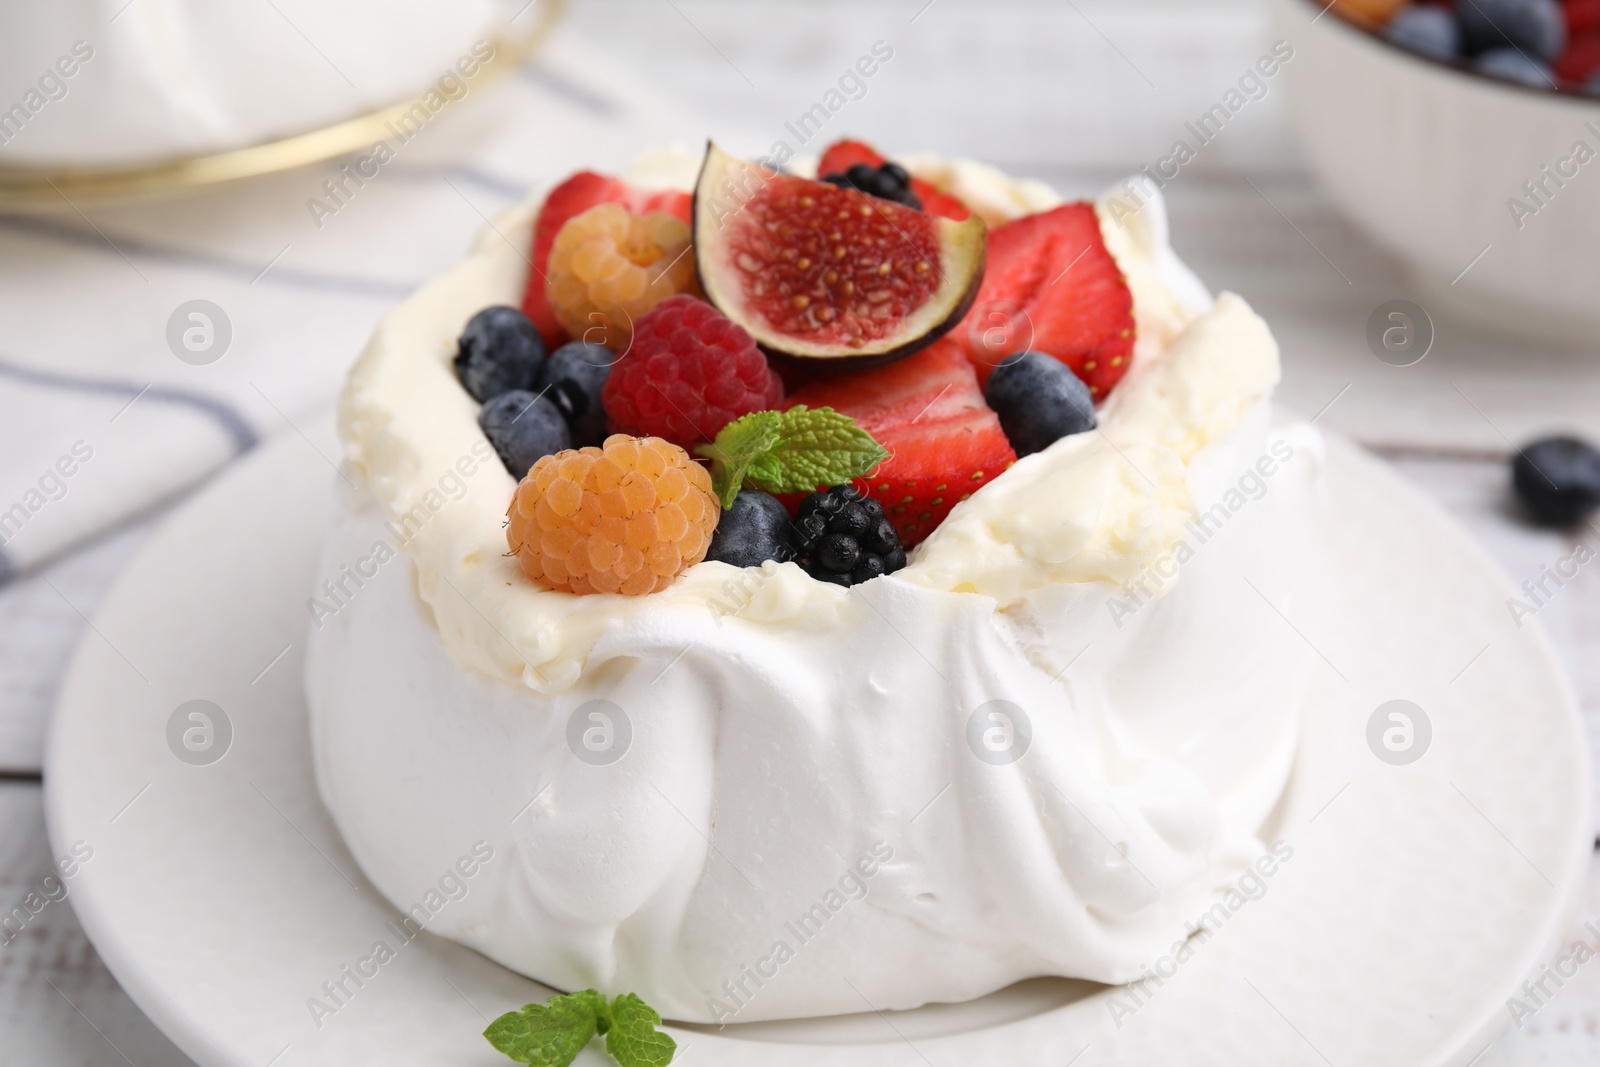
{"type": "Point", "coordinates": [1537, 28]}
{"type": "Point", "coordinates": [524, 427]}
{"type": "Point", "coordinates": [1039, 401]}
{"type": "Point", "coordinates": [573, 377]}
{"type": "Point", "coordinates": [1427, 31]}
{"type": "Point", "coordinates": [1558, 480]}
{"type": "Point", "coordinates": [500, 350]}
{"type": "Point", "coordinates": [752, 531]}
{"type": "Point", "coordinates": [843, 537]}
{"type": "Point", "coordinates": [1510, 65]}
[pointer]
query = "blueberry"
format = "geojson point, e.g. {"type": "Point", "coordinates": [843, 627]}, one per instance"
{"type": "Point", "coordinates": [1428, 31]}
{"type": "Point", "coordinates": [500, 350]}
{"type": "Point", "coordinates": [574, 375]}
{"type": "Point", "coordinates": [1536, 27]}
{"type": "Point", "coordinates": [1510, 65]}
{"type": "Point", "coordinates": [1558, 480]}
{"type": "Point", "coordinates": [1039, 401]}
{"type": "Point", "coordinates": [523, 427]}
{"type": "Point", "coordinates": [752, 531]}
{"type": "Point", "coordinates": [844, 538]}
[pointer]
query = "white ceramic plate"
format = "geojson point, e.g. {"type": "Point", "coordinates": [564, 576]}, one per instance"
{"type": "Point", "coordinates": [1417, 899]}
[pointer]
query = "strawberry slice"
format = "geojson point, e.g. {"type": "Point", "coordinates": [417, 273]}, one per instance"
{"type": "Point", "coordinates": [1052, 286]}
{"type": "Point", "coordinates": [927, 410]}
{"type": "Point", "coordinates": [572, 197]}
{"type": "Point", "coordinates": [842, 155]}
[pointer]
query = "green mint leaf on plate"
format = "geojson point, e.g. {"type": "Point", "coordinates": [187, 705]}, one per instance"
{"type": "Point", "coordinates": [741, 443]}
{"type": "Point", "coordinates": [792, 451]}
{"type": "Point", "coordinates": [553, 1033]}
{"type": "Point", "coordinates": [633, 1039]}
{"type": "Point", "coordinates": [549, 1034]}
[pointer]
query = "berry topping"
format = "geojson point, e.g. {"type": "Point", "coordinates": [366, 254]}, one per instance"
{"type": "Point", "coordinates": [523, 427]}
{"type": "Point", "coordinates": [928, 411]}
{"type": "Point", "coordinates": [1581, 60]}
{"type": "Point", "coordinates": [608, 267]}
{"type": "Point", "coordinates": [1052, 286]}
{"type": "Point", "coordinates": [842, 156]}
{"type": "Point", "coordinates": [1535, 29]}
{"type": "Point", "coordinates": [1039, 401]}
{"type": "Point", "coordinates": [498, 351]}
{"type": "Point", "coordinates": [845, 538]}
{"type": "Point", "coordinates": [1558, 480]}
{"type": "Point", "coordinates": [1510, 65]}
{"type": "Point", "coordinates": [753, 530]}
{"type": "Point", "coordinates": [573, 377]}
{"type": "Point", "coordinates": [817, 271]}
{"type": "Point", "coordinates": [573, 197]}
{"type": "Point", "coordinates": [627, 517]}
{"type": "Point", "coordinates": [887, 181]}
{"type": "Point", "coordinates": [1428, 31]}
{"type": "Point", "coordinates": [689, 373]}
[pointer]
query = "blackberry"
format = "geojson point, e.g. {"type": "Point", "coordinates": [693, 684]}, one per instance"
{"type": "Point", "coordinates": [889, 181]}
{"type": "Point", "coordinates": [842, 537]}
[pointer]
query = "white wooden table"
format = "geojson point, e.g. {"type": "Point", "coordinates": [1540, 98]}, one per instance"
{"type": "Point", "coordinates": [1076, 94]}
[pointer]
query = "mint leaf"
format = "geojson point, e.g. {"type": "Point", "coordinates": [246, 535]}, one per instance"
{"type": "Point", "coordinates": [792, 451]}
{"type": "Point", "coordinates": [633, 1039]}
{"type": "Point", "coordinates": [741, 443]}
{"type": "Point", "coordinates": [549, 1034]}
{"type": "Point", "coordinates": [818, 446]}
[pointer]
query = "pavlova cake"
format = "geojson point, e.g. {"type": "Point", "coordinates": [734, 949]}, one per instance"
{"type": "Point", "coordinates": [812, 595]}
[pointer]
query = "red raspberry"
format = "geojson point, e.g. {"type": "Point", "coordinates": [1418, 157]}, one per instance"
{"type": "Point", "coordinates": [689, 373]}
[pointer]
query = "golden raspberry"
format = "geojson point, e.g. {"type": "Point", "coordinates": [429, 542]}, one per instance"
{"type": "Point", "coordinates": [627, 517]}
{"type": "Point", "coordinates": [609, 266]}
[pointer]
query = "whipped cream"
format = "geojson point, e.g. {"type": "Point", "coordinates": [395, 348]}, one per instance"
{"type": "Point", "coordinates": [779, 729]}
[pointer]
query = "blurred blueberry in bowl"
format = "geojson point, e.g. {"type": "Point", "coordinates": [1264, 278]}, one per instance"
{"type": "Point", "coordinates": [1480, 170]}
{"type": "Point", "coordinates": [1536, 28]}
{"type": "Point", "coordinates": [1510, 65]}
{"type": "Point", "coordinates": [1428, 31]}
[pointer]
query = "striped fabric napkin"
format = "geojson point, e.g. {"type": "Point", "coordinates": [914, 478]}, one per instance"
{"type": "Point", "coordinates": [144, 346]}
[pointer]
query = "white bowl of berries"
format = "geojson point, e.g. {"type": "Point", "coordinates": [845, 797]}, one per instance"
{"type": "Point", "coordinates": [1465, 138]}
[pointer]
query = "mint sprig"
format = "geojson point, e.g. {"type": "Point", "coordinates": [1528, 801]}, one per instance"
{"type": "Point", "coordinates": [792, 451]}
{"type": "Point", "coordinates": [553, 1033]}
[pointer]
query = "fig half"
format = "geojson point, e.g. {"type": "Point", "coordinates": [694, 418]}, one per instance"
{"type": "Point", "coordinates": [820, 273]}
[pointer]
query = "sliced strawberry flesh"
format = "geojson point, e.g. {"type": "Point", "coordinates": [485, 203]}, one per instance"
{"type": "Point", "coordinates": [928, 410]}
{"type": "Point", "coordinates": [1052, 286]}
